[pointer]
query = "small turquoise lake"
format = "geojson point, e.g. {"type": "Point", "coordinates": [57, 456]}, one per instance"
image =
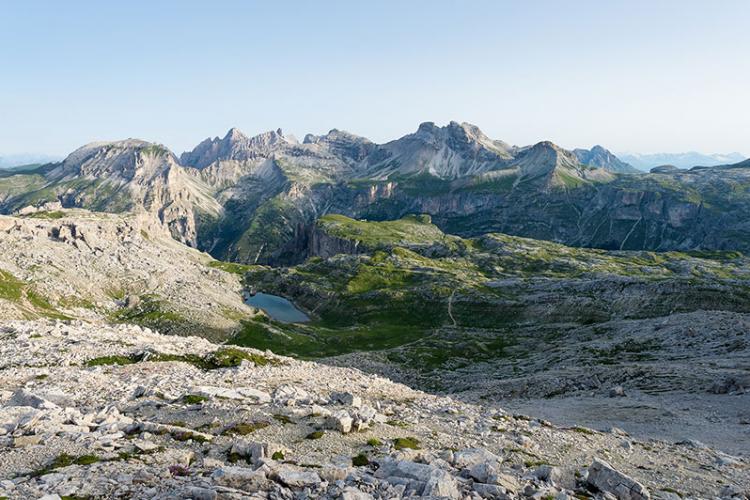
{"type": "Point", "coordinates": [277, 308]}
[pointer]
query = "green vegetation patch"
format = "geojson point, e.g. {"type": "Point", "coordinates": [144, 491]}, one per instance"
{"type": "Point", "coordinates": [284, 419]}
{"type": "Point", "coordinates": [150, 312]}
{"type": "Point", "coordinates": [86, 460]}
{"type": "Point", "coordinates": [194, 399]}
{"type": "Point", "coordinates": [412, 229]}
{"type": "Point", "coordinates": [155, 150]}
{"type": "Point", "coordinates": [118, 360]}
{"type": "Point", "coordinates": [421, 184]}
{"type": "Point", "coordinates": [55, 214]}
{"type": "Point", "coordinates": [232, 267]}
{"type": "Point", "coordinates": [11, 288]}
{"type": "Point", "coordinates": [188, 436]}
{"type": "Point", "coordinates": [225, 357]}
{"type": "Point", "coordinates": [404, 443]}
{"type": "Point", "coordinates": [229, 357]}
{"type": "Point", "coordinates": [31, 302]}
{"type": "Point", "coordinates": [243, 429]}
{"type": "Point", "coordinates": [66, 460]}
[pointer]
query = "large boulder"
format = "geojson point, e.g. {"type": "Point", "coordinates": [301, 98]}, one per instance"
{"type": "Point", "coordinates": [605, 478]}
{"type": "Point", "coordinates": [240, 478]}
{"type": "Point", "coordinates": [423, 479]}
{"type": "Point", "coordinates": [23, 397]}
{"type": "Point", "coordinates": [340, 421]}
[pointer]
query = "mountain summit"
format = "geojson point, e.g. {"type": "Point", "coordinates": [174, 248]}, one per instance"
{"type": "Point", "coordinates": [603, 158]}
{"type": "Point", "coordinates": [235, 146]}
{"type": "Point", "coordinates": [449, 152]}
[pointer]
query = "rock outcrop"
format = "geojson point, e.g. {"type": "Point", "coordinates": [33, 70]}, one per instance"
{"type": "Point", "coordinates": [130, 175]}
{"type": "Point", "coordinates": [74, 263]}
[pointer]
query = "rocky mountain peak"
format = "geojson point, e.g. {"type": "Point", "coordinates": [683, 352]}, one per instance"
{"type": "Point", "coordinates": [452, 151]}
{"type": "Point", "coordinates": [236, 146]}
{"type": "Point", "coordinates": [235, 135]}
{"type": "Point", "coordinates": [340, 143]}
{"type": "Point", "coordinates": [117, 159]}
{"type": "Point", "coordinates": [464, 133]}
{"type": "Point", "coordinates": [600, 157]}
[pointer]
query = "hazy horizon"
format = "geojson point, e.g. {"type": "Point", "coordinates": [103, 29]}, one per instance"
{"type": "Point", "coordinates": [631, 76]}
{"type": "Point", "coordinates": [300, 136]}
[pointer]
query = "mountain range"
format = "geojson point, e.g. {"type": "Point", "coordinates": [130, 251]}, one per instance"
{"type": "Point", "coordinates": [680, 160]}
{"type": "Point", "coordinates": [17, 160]}
{"type": "Point", "coordinates": [255, 199]}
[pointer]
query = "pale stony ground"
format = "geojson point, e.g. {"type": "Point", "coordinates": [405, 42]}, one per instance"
{"type": "Point", "coordinates": [719, 420]}
{"type": "Point", "coordinates": [669, 368]}
{"type": "Point", "coordinates": [149, 442]}
{"type": "Point", "coordinates": [87, 265]}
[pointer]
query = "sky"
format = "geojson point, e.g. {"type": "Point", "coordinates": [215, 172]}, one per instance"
{"type": "Point", "coordinates": [638, 76]}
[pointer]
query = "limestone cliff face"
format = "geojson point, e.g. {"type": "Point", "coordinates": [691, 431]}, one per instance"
{"type": "Point", "coordinates": [128, 175]}
{"type": "Point", "coordinates": [325, 245]}
{"type": "Point", "coordinates": [699, 209]}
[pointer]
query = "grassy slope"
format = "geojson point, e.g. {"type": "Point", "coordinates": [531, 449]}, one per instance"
{"type": "Point", "coordinates": [399, 292]}
{"type": "Point", "coordinates": [23, 296]}
{"type": "Point", "coordinates": [411, 230]}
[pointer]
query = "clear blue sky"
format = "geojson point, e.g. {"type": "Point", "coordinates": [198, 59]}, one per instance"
{"type": "Point", "coordinates": [632, 75]}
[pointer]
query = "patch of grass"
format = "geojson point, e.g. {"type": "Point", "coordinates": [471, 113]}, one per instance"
{"type": "Point", "coordinates": [398, 423]}
{"type": "Point", "coordinates": [10, 287]}
{"type": "Point", "coordinates": [360, 460]}
{"type": "Point", "coordinates": [311, 341]}
{"type": "Point", "coordinates": [277, 455]}
{"type": "Point", "coordinates": [62, 460]}
{"type": "Point", "coordinates": [374, 442]}
{"type": "Point", "coordinates": [188, 436]}
{"type": "Point", "coordinates": [284, 419]}
{"type": "Point", "coordinates": [412, 229]}
{"type": "Point", "coordinates": [490, 183]}
{"type": "Point", "coordinates": [112, 360]}
{"type": "Point", "coordinates": [150, 312]}
{"type": "Point", "coordinates": [54, 215]}
{"type": "Point", "coordinates": [65, 460]}
{"type": "Point", "coordinates": [410, 443]}
{"type": "Point", "coordinates": [194, 399]}
{"type": "Point", "coordinates": [243, 429]}
{"type": "Point", "coordinates": [154, 150]}
{"type": "Point", "coordinates": [225, 357]}
{"type": "Point", "coordinates": [583, 430]}
{"type": "Point", "coordinates": [228, 357]}
{"type": "Point", "coordinates": [231, 267]}
{"type": "Point", "coordinates": [421, 184]}
{"type": "Point", "coordinates": [534, 463]}
{"type": "Point", "coordinates": [315, 435]}
{"type": "Point", "coordinates": [86, 460]}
